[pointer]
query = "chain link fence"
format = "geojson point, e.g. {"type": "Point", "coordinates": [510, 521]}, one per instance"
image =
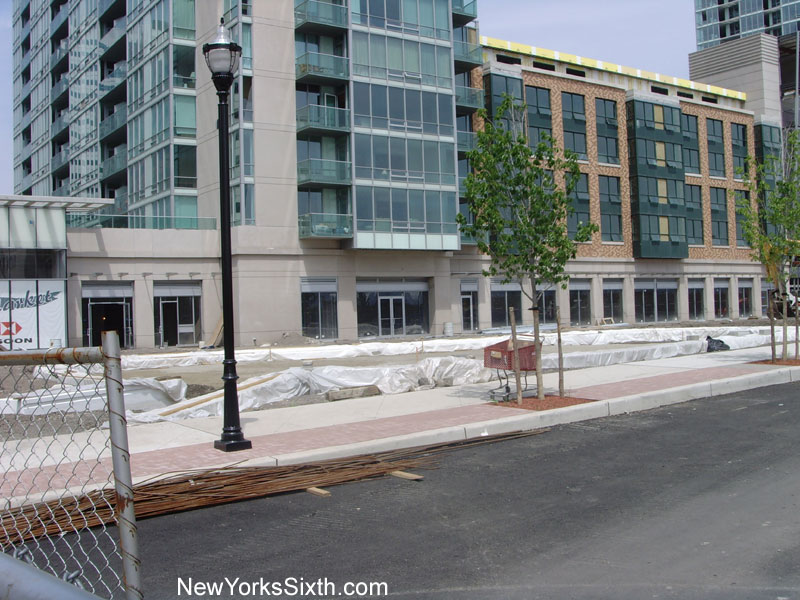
{"type": "Point", "coordinates": [65, 483]}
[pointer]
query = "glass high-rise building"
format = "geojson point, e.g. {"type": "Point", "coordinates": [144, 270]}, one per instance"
{"type": "Point", "coordinates": [719, 20]}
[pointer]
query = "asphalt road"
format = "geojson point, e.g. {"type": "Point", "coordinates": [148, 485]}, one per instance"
{"type": "Point", "coordinates": [694, 501]}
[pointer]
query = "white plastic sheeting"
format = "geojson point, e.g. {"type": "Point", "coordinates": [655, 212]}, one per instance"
{"type": "Point", "coordinates": [257, 392]}
{"type": "Point", "coordinates": [81, 394]}
{"type": "Point", "coordinates": [569, 338]}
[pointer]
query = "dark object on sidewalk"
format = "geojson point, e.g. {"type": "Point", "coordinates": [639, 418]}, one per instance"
{"type": "Point", "coordinates": [716, 345]}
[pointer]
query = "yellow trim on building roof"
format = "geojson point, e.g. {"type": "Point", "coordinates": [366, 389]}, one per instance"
{"type": "Point", "coordinates": [610, 67]}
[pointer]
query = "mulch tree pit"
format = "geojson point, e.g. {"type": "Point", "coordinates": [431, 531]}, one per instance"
{"type": "Point", "coordinates": [789, 362]}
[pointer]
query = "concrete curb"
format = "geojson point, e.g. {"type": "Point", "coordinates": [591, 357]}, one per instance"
{"type": "Point", "coordinates": [540, 420]}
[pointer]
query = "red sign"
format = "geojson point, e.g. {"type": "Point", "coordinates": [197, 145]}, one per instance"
{"type": "Point", "coordinates": [10, 328]}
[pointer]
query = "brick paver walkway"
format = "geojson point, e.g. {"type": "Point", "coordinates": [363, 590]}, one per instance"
{"type": "Point", "coordinates": [204, 455]}
{"type": "Point", "coordinates": [619, 389]}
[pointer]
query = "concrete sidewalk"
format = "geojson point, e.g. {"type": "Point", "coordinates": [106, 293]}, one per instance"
{"type": "Point", "coordinates": [366, 425]}
{"type": "Point", "coordinates": [316, 432]}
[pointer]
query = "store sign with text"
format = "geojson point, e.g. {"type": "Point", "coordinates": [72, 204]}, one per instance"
{"type": "Point", "coordinates": [32, 314]}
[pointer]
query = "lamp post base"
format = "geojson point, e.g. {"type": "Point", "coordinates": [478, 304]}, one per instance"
{"type": "Point", "coordinates": [232, 445]}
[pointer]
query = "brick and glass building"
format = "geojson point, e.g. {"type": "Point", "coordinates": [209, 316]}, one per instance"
{"type": "Point", "coordinates": [350, 127]}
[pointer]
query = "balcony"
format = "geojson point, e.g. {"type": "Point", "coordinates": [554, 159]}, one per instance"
{"type": "Point", "coordinates": [315, 119]}
{"type": "Point", "coordinates": [60, 159]}
{"type": "Point", "coordinates": [464, 11]}
{"type": "Point", "coordinates": [24, 121]}
{"type": "Point", "coordinates": [59, 54]}
{"type": "Point", "coordinates": [114, 122]}
{"type": "Point", "coordinates": [25, 183]}
{"type": "Point", "coordinates": [62, 190]}
{"type": "Point", "coordinates": [24, 31]}
{"type": "Point", "coordinates": [320, 17]}
{"type": "Point", "coordinates": [467, 55]}
{"type": "Point", "coordinates": [25, 90]}
{"type": "Point", "coordinates": [105, 5]}
{"type": "Point", "coordinates": [114, 79]}
{"type": "Point", "coordinates": [467, 140]}
{"type": "Point", "coordinates": [116, 163]}
{"type": "Point", "coordinates": [312, 67]}
{"type": "Point", "coordinates": [101, 221]}
{"type": "Point", "coordinates": [60, 19]}
{"type": "Point", "coordinates": [115, 34]}
{"type": "Point", "coordinates": [24, 61]}
{"type": "Point", "coordinates": [326, 226]}
{"type": "Point", "coordinates": [468, 99]}
{"type": "Point", "coordinates": [320, 172]}
{"type": "Point", "coordinates": [59, 88]}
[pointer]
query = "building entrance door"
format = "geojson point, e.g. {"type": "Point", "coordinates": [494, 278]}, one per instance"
{"type": "Point", "coordinates": [391, 315]}
{"type": "Point", "coordinates": [468, 315]}
{"type": "Point", "coordinates": [109, 316]}
{"type": "Point", "coordinates": [169, 322]}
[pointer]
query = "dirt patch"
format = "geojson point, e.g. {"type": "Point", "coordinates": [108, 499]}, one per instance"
{"type": "Point", "coordinates": [789, 362]}
{"type": "Point", "coordinates": [548, 403]}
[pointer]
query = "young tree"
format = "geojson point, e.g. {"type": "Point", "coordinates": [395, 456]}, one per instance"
{"type": "Point", "coordinates": [771, 223]}
{"type": "Point", "coordinates": [521, 214]}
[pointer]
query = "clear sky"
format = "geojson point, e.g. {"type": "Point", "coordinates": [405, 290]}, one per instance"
{"type": "Point", "coordinates": [656, 35]}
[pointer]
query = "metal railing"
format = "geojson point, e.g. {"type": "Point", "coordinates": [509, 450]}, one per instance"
{"type": "Point", "coordinates": [468, 96]}
{"type": "Point", "coordinates": [321, 13]}
{"type": "Point", "coordinates": [467, 140]}
{"type": "Point", "coordinates": [325, 66]}
{"type": "Point", "coordinates": [65, 480]}
{"type": "Point", "coordinates": [103, 221]}
{"type": "Point", "coordinates": [325, 225]}
{"type": "Point", "coordinates": [323, 171]}
{"type": "Point", "coordinates": [468, 53]}
{"type": "Point", "coordinates": [116, 162]}
{"type": "Point", "coordinates": [466, 7]}
{"type": "Point", "coordinates": [313, 116]}
{"type": "Point", "coordinates": [114, 121]}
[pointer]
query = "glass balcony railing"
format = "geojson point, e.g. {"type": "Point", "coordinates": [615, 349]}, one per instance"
{"type": "Point", "coordinates": [323, 118]}
{"type": "Point", "coordinates": [97, 221]}
{"type": "Point", "coordinates": [465, 11]}
{"type": "Point", "coordinates": [467, 140]}
{"type": "Point", "coordinates": [61, 190]}
{"type": "Point", "coordinates": [60, 159]}
{"type": "Point", "coordinates": [115, 78]}
{"type": "Point", "coordinates": [113, 122]}
{"type": "Point", "coordinates": [59, 54]}
{"type": "Point", "coordinates": [313, 66]}
{"type": "Point", "coordinates": [113, 35]}
{"type": "Point", "coordinates": [469, 97]}
{"type": "Point", "coordinates": [316, 14]}
{"type": "Point", "coordinates": [323, 225]}
{"type": "Point", "coordinates": [115, 164]}
{"type": "Point", "coordinates": [59, 19]}
{"type": "Point", "coordinates": [323, 172]}
{"type": "Point", "coordinates": [468, 53]}
{"type": "Point", "coordinates": [61, 86]}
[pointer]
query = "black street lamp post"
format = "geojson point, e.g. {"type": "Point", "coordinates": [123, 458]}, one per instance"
{"type": "Point", "coordinates": [222, 56]}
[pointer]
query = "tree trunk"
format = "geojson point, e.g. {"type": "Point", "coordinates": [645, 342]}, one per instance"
{"type": "Point", "coordinates": [785, 345]}
{"type": "Point", "coordinates": [771, 313]}
{"type": "Point", "coordinates": [560, 354]}
{"type": "Point", "coordinates": [515, 349]}
{"type": "Point", "coordinates": [796, 332]}
{"type": "Point", "coordinates": [538, 347]}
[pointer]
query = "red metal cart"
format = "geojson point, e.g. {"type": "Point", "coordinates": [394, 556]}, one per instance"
{"type": "Point", "coordinates": [500, 356]}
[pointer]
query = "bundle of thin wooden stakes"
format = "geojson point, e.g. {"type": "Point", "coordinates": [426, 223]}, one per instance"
{"type": "Point", "coordinates": [202, 488]}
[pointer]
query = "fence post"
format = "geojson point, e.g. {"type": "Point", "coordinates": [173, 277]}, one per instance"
{"type": "Point", "coordinates": [118, 425]}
